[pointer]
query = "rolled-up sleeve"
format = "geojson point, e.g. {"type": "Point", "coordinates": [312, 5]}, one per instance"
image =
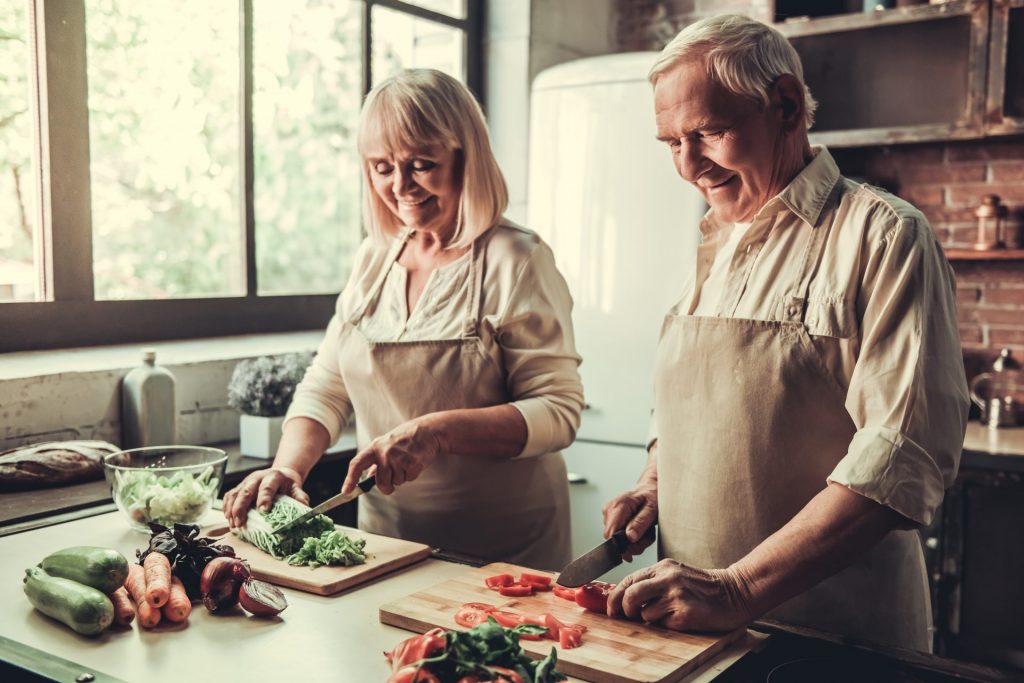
{"type": "Point", "coordinates": [539, 353]}
{"type": "Point", "coordinates": [322, 395]}
{"type": "Point", "coordinates": [907, 394]}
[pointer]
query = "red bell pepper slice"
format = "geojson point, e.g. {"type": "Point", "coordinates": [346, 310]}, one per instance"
{"type": "Point", "coordinates": [498, 580]}
{"type": "Point", "coordinates": [565, 593]}
{"type": "Point", "coordinates": [539, 582]}
{"type": "Point", "coordinates": [506, 619]}
{"type": "Point", "coordinates": [594, 596]}
{"type": "Point", "coordinates": [569, 637]}
{"type": "Point", "coordinates": [516, 590]}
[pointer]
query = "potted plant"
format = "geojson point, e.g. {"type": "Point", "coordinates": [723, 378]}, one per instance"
{"type": "Point", "coordinates": [262, 389]}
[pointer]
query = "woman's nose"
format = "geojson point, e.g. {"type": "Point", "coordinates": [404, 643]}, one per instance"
{"type": "Point", "coordinates": [401, 181]}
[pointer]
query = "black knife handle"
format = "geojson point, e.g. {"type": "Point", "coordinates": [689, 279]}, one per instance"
{"type": "Point", "coordinates": [368, 483]}
{"type": "Point", "coordinates": [621, 542]}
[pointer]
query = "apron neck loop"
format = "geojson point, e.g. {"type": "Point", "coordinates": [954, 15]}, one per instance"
{"type": "Point", "coordinates": [378, 284]}
{"type": "Point", "coordinates": [476, 278]}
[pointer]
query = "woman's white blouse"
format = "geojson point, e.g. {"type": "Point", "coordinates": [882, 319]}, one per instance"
{"type": "Point", "coordinates": [525, 326]}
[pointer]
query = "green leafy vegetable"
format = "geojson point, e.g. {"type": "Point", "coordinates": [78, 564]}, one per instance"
{"type": "Point", "coordinates": [314, 542]}
{"type": "Point", "coordinates": [179, 498]}
{"type": "Point", "coordinates": [330, 547]}
{"type": "Point", "coordinates": [488, 645]}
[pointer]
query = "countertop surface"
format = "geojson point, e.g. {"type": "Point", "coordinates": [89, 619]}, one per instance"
{"type": "Point", "coordinates": [336, 639]}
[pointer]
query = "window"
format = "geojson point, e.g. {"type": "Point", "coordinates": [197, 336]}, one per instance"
{"type": "Point", "coordinates": [199, 172]}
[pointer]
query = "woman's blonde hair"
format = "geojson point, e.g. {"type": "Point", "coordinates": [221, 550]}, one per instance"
{"type": "Point", "coordinates": [742, 54]}
{"type": "Point", "coordinates": [419, 108]}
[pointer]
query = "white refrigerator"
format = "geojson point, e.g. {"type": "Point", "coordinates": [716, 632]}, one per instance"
{"type": "Point", "coordinates": [623, 226]}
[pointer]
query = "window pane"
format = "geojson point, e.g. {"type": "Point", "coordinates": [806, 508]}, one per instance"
{"type": "Point", "coordinates": [164, 148]}
{"type": "Point", "coordinates": [18, 187]}
{"type": "Point", "coordinates": [307, 80]}
{"type": "Point", "coordinates": [402, 41]}
{"type": "Point", "coordinates": [453, 8]}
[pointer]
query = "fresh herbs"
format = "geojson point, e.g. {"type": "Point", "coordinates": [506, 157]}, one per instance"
{"type": "Point", "coordinates": [488, 651]}
{"type": "Point", "coordinates": [330, 548]}
{"type": "Point", "coordinates": [187, 552]}
{"type": "Point", "coordinates": [314, 542]}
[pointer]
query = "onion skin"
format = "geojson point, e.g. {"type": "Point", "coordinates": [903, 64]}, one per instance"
{"type": "Point", "coordinates": [221, 581]}
{"type": "Point", "coordinates": [261, 598]}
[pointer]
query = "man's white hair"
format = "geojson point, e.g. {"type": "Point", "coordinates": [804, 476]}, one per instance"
{"type": "Point", "coordinates": [742, 54]}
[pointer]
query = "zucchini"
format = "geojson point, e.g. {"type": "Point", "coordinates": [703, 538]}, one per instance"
{"type": "Point", "coordinates": [102, 568]}
{"type": "Point", "coordinates": [82, 608]}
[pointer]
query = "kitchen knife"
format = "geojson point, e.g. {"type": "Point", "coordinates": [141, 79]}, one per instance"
{"type": "Point", "coordinates": [331, 503]}
{"type": "Point", "coordinates": [599, 560]}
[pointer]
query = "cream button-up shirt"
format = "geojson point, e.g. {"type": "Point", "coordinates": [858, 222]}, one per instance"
{"type": "Point", "coordinates": [525, 325]}
{"type": "Point", "coordinates": [881, 313]}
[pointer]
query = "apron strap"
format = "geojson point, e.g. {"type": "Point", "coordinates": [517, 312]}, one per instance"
{"type": "Point", "coordinates": [378, 284]}
{"type": "Point", "coordinates": [795, 307]}
{"type": "Point", "coordinates": [476, 277]}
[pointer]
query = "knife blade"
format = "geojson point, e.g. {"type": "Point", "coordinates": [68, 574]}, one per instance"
{"type": "Point", "coordinates": [598, 560]}
{"type": "Point", "coordinates": [331, 503]}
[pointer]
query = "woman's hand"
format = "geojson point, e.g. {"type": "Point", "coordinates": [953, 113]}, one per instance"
{"type": "Point", "coordinates": [637, 511]}
{"type": "Point", "coordinates": [400, 456]}
{"type": "Point", "coordinates": [262, 485]}
{"type": "Point", "coordinates": [681, 598]}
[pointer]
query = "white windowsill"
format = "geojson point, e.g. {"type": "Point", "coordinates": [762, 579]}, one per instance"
{"type": "Point", "coordinates": [23, 364]}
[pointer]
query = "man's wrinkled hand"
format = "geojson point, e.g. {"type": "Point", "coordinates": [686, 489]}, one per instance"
{"type": "Point", "coordinates": [636, 511]}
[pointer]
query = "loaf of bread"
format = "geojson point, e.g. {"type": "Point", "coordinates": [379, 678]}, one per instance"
{"type": "Point", "coordinates": [53, 463]}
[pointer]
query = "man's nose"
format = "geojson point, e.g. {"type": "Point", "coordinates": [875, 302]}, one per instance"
{"type": "Point", "coordinates": [691, 162]}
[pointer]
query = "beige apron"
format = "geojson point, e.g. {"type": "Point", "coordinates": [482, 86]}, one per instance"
{"type": "Point", "coordinates": [510, 509]}
{"type": "Point", "coordinates": [750, 424]}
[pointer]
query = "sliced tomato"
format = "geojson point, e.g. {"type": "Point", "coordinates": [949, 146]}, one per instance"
{"type": "Point", "coordinates": [594, 596]}
{"type": "Point", "coordinates": [470, 617]}
{"type": "Point", "coordinates": [565, 593]}
{"type": "Point", "coordinates": [516, 590]}
{"type": "Point", "coordinates": [498, 580]}
{"type": "Point", "coordinates": [413, 674]}
{"type": "Point", "coordinates": [506, 619]}
{"type": "Point", "coordinates": [538, 621]}
{"type": "Point", "coordinates": [569, 637]}
{"type": "Point", "coordinates": [414, 649]}
{"type": "Point", "coordinates": [537, 581]}
{"type": "Point", "coordinates": [553, 625]}
{"type": "Point", "coordinates": [482, 606]}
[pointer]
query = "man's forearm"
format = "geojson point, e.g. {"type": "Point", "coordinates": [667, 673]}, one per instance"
{"type": "Point", "coordinates": [834, 529]}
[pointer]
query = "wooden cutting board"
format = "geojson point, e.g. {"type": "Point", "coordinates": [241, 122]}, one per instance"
{"type": "Point", "coordinates": [383, 555]}
{"type": "Point", "coordinates": [613, 650]}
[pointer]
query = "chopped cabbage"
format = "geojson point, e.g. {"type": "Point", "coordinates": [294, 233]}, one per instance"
{"type": "Point", "coordinates": [178, 499]}
{"type": "Point", "coordinates": [315, 542]}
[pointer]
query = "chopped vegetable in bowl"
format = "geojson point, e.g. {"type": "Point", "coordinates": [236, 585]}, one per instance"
{"type": "Point", "coordinates": [167, 500]}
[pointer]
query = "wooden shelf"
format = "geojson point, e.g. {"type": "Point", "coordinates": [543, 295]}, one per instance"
{"type": "Point", "coordinates": [990, 255]}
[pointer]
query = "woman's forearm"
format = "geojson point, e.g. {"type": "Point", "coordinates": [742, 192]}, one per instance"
{"type": "Point", "coordinates": [303, 442]}
{"type": "Point", "coordinates": [495, 431]}
{"type": "Point", "coordinates": [834, 529]}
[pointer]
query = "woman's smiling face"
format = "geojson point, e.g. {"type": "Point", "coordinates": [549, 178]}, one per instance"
{"type": "Point", "coordinates": [421, 187]}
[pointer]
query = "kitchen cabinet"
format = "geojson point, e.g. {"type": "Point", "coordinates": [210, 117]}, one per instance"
{"type": "Point", "coordinates": [597, 473]}
{"type": "Point", "coordinates": [946, 71]}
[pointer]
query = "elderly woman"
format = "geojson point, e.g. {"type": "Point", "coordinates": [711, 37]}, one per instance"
{"type": "Point", "coordinates": [452, 343]}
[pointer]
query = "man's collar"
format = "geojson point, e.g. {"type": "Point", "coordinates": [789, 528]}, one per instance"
{"type": "Point", "coordinates": [805, 195]}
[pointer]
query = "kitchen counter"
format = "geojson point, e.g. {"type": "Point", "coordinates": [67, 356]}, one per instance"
{"type": "Point", "coordinates": [336, 639]}
{"type": "Point", "coordinates": [1001, 449]}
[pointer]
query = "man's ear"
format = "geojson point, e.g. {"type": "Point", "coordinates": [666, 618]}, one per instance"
{"type": "Point", "coordinates": [787, 98]}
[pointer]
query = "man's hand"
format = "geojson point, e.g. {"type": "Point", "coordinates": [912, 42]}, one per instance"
{"type": "Point", "coordinates": [681, 598]}
{"type": "Point", "coordinates": [399, 456]}
{"type": "Point", "coordinates": [637, 511]}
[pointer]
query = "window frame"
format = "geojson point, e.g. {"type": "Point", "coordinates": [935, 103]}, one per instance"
{"type": "Point", "coordinates": [69, 316]}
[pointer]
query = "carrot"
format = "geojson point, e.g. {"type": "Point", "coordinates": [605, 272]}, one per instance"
{"type": "Point", "coordinates": [124, 611]}
{"type": "Point", "coordinates": [158, 579]}
{"type": "Point", "coordinates": [149, 616]}
{"type": "Point", "coordinates": [178, 606]}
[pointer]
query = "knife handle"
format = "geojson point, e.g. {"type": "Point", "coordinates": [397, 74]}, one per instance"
{"type": "Point", "coordinates": [368, 483]}
{"type": "Point", "coordinates": [621, 542]}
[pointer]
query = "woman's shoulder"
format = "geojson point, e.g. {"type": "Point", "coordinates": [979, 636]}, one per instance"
{"type": "Point", "coordinates": [513, 244]}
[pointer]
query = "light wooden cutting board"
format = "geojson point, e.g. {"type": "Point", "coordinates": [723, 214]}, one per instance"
{"type": "Point", "coordinates": [613, 650]}
{"type": "Point", "coordinates": [383, 555]}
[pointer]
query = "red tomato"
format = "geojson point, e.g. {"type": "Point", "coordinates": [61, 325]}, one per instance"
{"type": "Point", "coordinates": [506, 675]}
{"type": "Point", "coordinates": [569, 637]}
{"type": "Point", "coordinates": [413, 674]}
{"type": "Point", "coordinates": [416, 648]}
{"type": "Point", "coordinates": [506, 619]}
{"type": "Point", "coordinates": [538, 621]}
{"type": "Point", "coordinates": [565, 593]}
{"type": "Point", "coordinates": [482, 606]}
{"type": "Point", "coordinates": [493, 582]}
{"type": "Point", "coordinates": [553, 625]}
{"type": "Point", "coordinates": [594, 596]}
{"type": "Point", "coordinates": [516, 590]}
{"type": "Point", "coordinates": [537, 581]}
{"type": "Point", "coordinates": [470, 617]}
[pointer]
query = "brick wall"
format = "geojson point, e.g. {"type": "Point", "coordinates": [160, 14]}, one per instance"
{"type": "Point", "coordinates": [945, 180]}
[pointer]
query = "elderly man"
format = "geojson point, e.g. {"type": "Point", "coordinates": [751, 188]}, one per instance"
{"type": "Point", "coordinates": [810, 401]}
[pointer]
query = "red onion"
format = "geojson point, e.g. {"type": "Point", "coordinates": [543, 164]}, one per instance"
{"type": "Point", "coordinates": [261, 598]}
{"type": "Point", "coordinates": [221, 581]}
